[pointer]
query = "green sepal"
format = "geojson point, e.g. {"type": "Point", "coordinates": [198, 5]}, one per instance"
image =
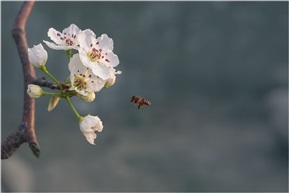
{"type": "Point", "coordinates": [68, 52]}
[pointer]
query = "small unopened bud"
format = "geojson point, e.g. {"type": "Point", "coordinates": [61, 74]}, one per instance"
{"type": "Point", "coordinates": [37, 55]}
{"type": "Point", "coordinates": [110, 82]}
{"type": "Point", "coordinates": [89, 97]}
{"type": "Point", "coordinates": [34, 91]}
{"type": "Point", "coordinates": [112, 78]}
{"type": "Point", "coordinates": [53, 102]}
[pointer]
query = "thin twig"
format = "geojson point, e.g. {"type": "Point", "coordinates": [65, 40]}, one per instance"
{"type": "Point", "coordinates": [45, 83]}
{"type": "Point", "coordinates": [26, 132]}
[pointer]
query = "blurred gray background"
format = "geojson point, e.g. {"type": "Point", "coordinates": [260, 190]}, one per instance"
{"type": "Point", "coordinates": [215, 72]}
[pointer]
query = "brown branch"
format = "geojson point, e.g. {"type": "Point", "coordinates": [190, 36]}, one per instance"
{"type": "Point", "coordinates": [26, 132]}
{"type": "Point", "coordinates": [12, 142]}
{"type": "Point", "coordinates": [45, 83]}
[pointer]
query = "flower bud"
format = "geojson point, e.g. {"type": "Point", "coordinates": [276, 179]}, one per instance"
{"type": "Point", "coordinates": [112, 78]}
{"type": "Point", "coordinates": [53, 102]}
{"type": "Point", "coordinates": [89, 97]}
{"type": "Point", "coordinates": [110, 81]}
{"type": "Point", "coordinates": [37, 55]}
{"type": "Point", "coordinates": [34, 91]}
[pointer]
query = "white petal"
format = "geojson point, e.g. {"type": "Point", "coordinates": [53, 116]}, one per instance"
{"type": "Point", "coordinates": [72, 30]}
{"type": "Point", "coordinates": [52, 45]}
{"type": "Point", "coordinates": [37, 55]}
{"type": "Point", "coordinates": [118, 72]}
{"type": "Point", "coordinates": [52, 33]}
{"type": "Point", "coordinates": [113, 59]}
{"type": "Point", "coordinates": [74, 62]}
{"type": "Point", "coordinates": [32, 58]}
{"type": "Point", "coordinates": [90, 137]}
{"type": "Point", "coordinates": [84, 58]}
{"type": "Point", "coordinates": [78, 67]}
{"type": "Point", "coordinates": [96, 86]}
{"type": "Point", "coordinates": [59, 47]}
{"type": "Point", "coordinates": [101, 70]}
{"type": "Point", "coordinates": [105, 42]}
{"type": "Point", "coordinates": [86, 38]}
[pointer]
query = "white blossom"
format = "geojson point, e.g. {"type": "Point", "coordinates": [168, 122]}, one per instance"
{"type": "Point", "coordinates": [88, 125]}
{"type": "Point", "coordinates": [63, 41]}
{"type": "Point", "coordinates": [97, 53]}
{"type": "Point", "coordinates": [82, 79]}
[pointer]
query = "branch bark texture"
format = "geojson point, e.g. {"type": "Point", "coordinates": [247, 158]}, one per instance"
{"type": "Point", "coordinates": [25, 132]}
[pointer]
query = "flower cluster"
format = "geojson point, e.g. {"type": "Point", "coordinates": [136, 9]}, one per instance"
{"type": "Point", "coordinates": [92, 68]}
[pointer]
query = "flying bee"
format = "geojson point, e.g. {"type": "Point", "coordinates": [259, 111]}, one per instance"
{"type": "Point", "coordinates": [140, 101]}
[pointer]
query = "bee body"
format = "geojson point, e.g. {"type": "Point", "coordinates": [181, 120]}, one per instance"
{"type": "Point", "coordinates": [140, 101]}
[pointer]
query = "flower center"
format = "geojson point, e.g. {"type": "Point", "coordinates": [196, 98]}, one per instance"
{"type": "Point", "coordinates": [67, 38]}
{"type": "Point", "coordinates": [79, 83]}
{"type": "Point", "coordinates": [95, 54]}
